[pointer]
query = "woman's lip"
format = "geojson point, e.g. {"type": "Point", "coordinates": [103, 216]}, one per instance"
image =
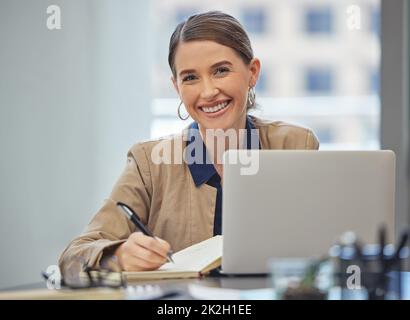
{"type": "Point", "coordinates": [218, 113]}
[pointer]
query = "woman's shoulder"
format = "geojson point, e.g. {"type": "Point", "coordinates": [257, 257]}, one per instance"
{"type": "Point", "coordinates": [159, 150]}
{"type": "Point", "coordinates": [265, 124]}
{"type": "Point", "coordinates": [285, 135]}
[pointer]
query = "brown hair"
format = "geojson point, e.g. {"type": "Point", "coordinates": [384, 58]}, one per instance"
{"type": "Point", "coordinates": [214, 26]}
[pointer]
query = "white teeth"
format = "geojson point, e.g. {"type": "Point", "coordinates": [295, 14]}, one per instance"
{"type": "Point", "coordinates": [215, 108]}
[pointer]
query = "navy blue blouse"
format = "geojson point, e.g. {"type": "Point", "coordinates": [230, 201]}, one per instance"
{"type": "Point", "coordinates": [205, 172]}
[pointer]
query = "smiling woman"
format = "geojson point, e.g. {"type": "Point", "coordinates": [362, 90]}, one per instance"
{"type": "Point", "coordinates": [215, 92]}
{"type": "Point", "coordinates": [213, 70]}
{"type": "Point", "coordinates": [214, 73]}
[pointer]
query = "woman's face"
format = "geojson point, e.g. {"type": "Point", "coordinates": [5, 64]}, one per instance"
{"type": "Point", "coordinates": [212, 82]}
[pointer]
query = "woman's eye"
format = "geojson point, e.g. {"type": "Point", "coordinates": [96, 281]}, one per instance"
{"type": "Point", "coordinates": [221, 70]}
{"type": "Point", "coordinates": [188, 78]}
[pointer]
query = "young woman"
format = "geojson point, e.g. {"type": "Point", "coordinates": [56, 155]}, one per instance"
{"type": "Point", "coordinates": [214, 73]}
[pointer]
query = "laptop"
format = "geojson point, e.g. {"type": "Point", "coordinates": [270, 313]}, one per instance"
{"type": "Point", "coordinates": [297, 203]}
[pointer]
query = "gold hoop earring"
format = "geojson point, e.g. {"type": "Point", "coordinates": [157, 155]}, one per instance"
{"type": "Point", "coordinates": [251, 97]}
{"type": "Point", "coordinates": [179, 113]}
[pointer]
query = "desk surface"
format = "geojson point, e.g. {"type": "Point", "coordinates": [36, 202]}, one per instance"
{"type": "Point", "coordinates": [181, 286]}
{"type": "Point", "coordinates": [39, 291]}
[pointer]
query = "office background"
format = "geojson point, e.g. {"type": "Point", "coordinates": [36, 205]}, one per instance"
{"type": "Point", "coordinates": [73, 100]}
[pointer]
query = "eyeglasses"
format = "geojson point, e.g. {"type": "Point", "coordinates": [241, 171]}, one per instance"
{"type": "Point", "coordinates": [79, 275]}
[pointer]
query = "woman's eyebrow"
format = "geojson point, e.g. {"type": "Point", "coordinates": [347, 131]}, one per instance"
{"type": "Point", "coordinates": [213, 66]}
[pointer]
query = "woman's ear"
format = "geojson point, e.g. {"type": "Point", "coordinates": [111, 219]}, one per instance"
{"type": "Point", "coordinates": [254, 67]}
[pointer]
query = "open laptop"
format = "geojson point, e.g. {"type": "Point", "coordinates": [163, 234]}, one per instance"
{"type": "Point", "coordinates": [299, 203]}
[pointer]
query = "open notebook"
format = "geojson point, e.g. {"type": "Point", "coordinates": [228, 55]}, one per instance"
{"type": "Point", "coordinates": [191, 262]}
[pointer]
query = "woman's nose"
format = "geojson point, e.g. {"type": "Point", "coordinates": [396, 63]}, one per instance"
{"type": "Point", "coordinates": [208, 90]}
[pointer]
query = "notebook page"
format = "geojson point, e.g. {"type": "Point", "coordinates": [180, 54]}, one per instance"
{"type": "Point", "coordinates": [196, 257]}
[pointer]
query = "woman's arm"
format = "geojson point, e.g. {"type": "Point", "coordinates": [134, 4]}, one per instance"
{"type": "Point", "coordinates": [109, 227]}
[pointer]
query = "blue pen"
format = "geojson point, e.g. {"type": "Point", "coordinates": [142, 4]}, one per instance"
{"type": "Point", "coordinates": [137, 222]}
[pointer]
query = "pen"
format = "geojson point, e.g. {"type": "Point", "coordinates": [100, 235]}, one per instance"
{"type": "Point", "coordinates": [382, 244]}
{"type": "Point", "coordinates": [137, 222]}
{"type": "Point", "coordinates": [402, 242]}
{"type": "Point", "coordinates": [382, 241]}
{"type": "Point", "coordinates": [382, 261]}
{"type": "Point", "coordinates": [358, 250]}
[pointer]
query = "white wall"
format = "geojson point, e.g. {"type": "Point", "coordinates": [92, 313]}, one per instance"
{"type": "Point", "coordinates": [72, 101]}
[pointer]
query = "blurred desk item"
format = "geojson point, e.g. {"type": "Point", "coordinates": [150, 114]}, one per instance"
{"type": "Point", "coordinates": [376, 269]}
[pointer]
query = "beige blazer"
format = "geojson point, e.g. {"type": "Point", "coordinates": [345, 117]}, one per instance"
{"type": "Point", "coordinates": [166, 198]}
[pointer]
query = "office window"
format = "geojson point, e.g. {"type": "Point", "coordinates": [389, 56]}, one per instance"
{"type": "Point", "coordinates": [184, 13]}
{"type": "Point", "coordinates": [374, 80]}
{"type": "Point", "coordinates": [325, 133]}
{"type": "Point", "coordinates": [375, 21]}
{"type": "Point", "coordinates": [254, 20]}
{"type": "Point", "coordinates": [319, 21]}
{"type": "Point", "coordinates": [262, 84]}
{"type": "Point", "coordinates": [319, 80]}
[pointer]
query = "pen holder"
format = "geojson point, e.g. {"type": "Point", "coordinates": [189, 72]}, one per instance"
{"type": "Point", "coordinates": [376, 275]}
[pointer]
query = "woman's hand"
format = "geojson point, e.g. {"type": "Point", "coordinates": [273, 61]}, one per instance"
{"type": "Point", "coordinates": [141, 253]}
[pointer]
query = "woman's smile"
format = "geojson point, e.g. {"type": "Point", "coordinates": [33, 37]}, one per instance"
{"type": "Point", "coordinates": [216, 109]}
